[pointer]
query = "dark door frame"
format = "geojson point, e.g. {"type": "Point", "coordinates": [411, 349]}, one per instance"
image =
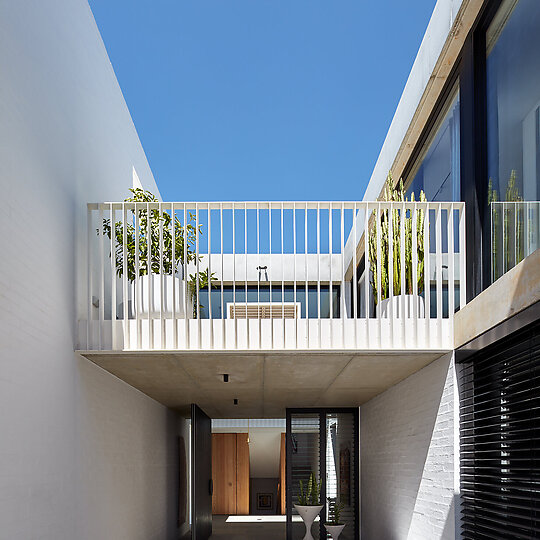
{"type": "Point", "coordinates": [322, 412]}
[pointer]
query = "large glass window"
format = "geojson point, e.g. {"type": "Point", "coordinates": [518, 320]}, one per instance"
{"type": "Point", "coordinates": [262, 294]}
{"type": "Point", "coordinates": [437, 169]}
{"type": "Point", "coordinates": [513, 132]}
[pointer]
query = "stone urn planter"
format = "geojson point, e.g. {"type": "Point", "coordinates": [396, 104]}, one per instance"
{"type": "Point", "coordinates": [308, 515]}
{"type": "Point", "coordinates": [334, 530]}
{"type": "Point", "coordinates": [383, 309]}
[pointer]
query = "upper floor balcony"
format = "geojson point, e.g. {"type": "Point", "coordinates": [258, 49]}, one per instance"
{"type": "Point", "coordinates": [264, 276]}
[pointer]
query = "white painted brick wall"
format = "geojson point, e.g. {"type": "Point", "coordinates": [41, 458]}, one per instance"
{"type": "Point", "coordinates": [83, 456]}
{"type": "Point", "coordinates": [407, 458]}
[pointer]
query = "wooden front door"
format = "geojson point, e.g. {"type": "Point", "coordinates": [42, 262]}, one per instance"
{"type": "Point", "coordinates": [230, 473]}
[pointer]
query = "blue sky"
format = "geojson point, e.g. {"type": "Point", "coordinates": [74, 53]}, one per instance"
{"type": "Point", "coordinates": [262, 99]}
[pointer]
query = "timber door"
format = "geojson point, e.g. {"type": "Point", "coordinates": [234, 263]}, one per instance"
{"type": "Point", "coordinates": [224, 473]}
{"type": "Point", "coordinates": [230, 473]}
{"type": "Point", "coordinates": [201, 474]}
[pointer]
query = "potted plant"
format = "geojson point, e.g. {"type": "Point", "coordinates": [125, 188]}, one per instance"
{"type": "Point", "coordinates": [334, 526]}
{"type": "Point", "coordinates": [309, 504]}
{"type": "Point", "coordinates": [159, 266]}
{"type": "Point", "coordinates": [382, 222]}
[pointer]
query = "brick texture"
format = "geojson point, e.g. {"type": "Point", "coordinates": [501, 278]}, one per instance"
{"type": "Point", "coordinates": [407, 458]}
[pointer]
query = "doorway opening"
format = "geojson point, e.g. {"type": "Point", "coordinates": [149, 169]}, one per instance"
{"type": "Point", "coordinates": [323, 444]}
{"type": "Point", "coordinates": [248, 476]}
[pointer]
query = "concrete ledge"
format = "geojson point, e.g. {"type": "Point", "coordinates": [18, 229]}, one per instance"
{"type": "Point", "coordinates": [513, 292]}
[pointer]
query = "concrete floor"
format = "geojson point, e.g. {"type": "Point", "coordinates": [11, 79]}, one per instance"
{"type": "Point", "coordinates": [254, 530]}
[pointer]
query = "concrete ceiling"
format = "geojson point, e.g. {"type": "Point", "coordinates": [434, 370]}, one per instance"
{"type": "Point", "coordinates": [265, 383]}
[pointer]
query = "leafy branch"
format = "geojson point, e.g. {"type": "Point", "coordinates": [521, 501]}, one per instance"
{"type": "Point", "coordinates": [154, 241]}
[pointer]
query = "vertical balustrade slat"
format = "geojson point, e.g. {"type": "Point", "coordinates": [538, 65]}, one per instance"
{"type": "Point", "coordinates": [258, 276]}
{"type": "Point", "coordinates": [294, 279]}
{"type": "Point", "coordinates": [504, 236]}
{"type": "Point", "coordinates": [319, 274]}
{"type": "Point", "coordinates": [149, 276]}
{"type": "Point", "coordinates": [306, 272]}
{"type": "Point", "coordinates": [234, 276]}
{"type": "Point", "coordinates": [246, 272]}
{"type": "Point", "coordinates": [355, 276]}
{"type": "Point", "coordinates": [403, 312]}
{"type": "Point", "coordinates": [125, 299]}
{"type": "Point", "coordinates": [342, 253]}
{"type": "Point", "coordinates": [330, 283]}
{"type": "Point", "coordinates": [113, 275]}
{"type": "Point", "coordinates": [462, 260]}
{"type": "Point", "coordinates": [101, 308]}
{"type": "Point", "coordinates": [378, 225]}
{"type": "Point", "coordinates": [270, 274]}
{"type": "Point", "coordinates": [161, 277]}
{"type": "Point", "coordinates": [185, 275]}
{"type": "Point", "coordinates": [89, 279]}
{"type": "Point", "coordinates": [283, 277]}
{"type": "Point", "coordinates": [389, 211]}
{"type": "Point", "coordinates": [223, 336]}
{"type": "Point", "coordinates": [197, 277]}
{"type": "Point", "coordinates": [209, 273]}
{"type": "Point", "coordinates": [137, 280]}
{"type": "Point", "coordinates": [493, 239]}
{"type": "Point", "coordinates": [438, 259]}
{"type": "Point", "coordinates": [174, 271]}
{"type": "Point", "coordinates": [516, 236]}
{"type": "Point", "coordinates": [414, 273]}
{"type": "Point", "coordinates": [451, 282]}
{"type": "Point", "coordinates": [366, 270]}
{"type": "Point", "coordinates": [427, 276]}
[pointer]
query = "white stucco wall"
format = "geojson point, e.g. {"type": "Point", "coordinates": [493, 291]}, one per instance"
{"type": "Point", "coordinates": [407, 453]}
{"type": "Point", "coordinates": [82, 455]}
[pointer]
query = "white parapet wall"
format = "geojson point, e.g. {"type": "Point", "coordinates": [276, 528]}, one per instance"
{"type": "Point", "coordinates": [407, 451]}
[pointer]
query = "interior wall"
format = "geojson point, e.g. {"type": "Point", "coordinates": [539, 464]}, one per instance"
{"type": "Point", "coordinates": [83, 455]}
{"type": "Point", "coordinates": [407, 452]}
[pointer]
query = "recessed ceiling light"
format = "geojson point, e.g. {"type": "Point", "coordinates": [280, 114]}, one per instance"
{"type": "Point", "coordinates": [235, 401]}
{"type": "Point", "coordinates": [225, 377]}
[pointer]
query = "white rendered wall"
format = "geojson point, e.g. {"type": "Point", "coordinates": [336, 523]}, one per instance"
{"type": "Point", "coordinates": [407, 452]}
{"type": "Point", "coordinates": [82, 455]}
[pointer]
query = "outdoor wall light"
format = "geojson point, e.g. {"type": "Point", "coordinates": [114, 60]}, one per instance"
{"type": "Point", "coordinates": [235, 401]}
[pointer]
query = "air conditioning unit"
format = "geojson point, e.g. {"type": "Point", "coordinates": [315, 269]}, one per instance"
{"type": "Point", "coordinates": [263, 310]}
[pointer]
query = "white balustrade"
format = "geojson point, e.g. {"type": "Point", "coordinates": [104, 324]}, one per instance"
{"type": "Point", "coordinates": [285, 276]}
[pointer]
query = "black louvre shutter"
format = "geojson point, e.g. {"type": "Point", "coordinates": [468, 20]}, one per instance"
{"type": "Point", "coordinates": [500, 439]}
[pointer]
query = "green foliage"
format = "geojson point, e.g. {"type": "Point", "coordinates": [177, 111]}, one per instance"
{"type": "Point", "coordinates": [192, 286]}
{"type": "Point", "coordinates": [334, 511]}
{"type": "Point", "coordinates": [381, 226]}
{"type": "Point", "coordinates": [169, 242]}
{"type": "Point", "coordinates": [513, 217]}
{"type": "Point", "coordinates": [311, 496]}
